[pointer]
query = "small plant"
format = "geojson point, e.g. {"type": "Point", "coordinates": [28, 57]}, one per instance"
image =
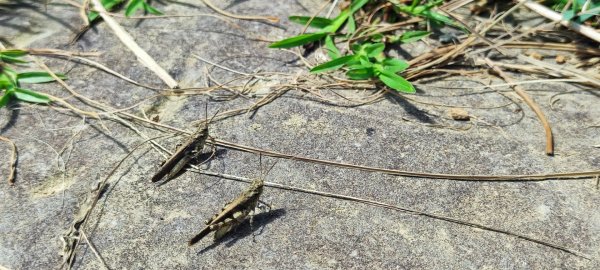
{"type": "Point", "coordinates": [579, 11]}
{"type": "Point", "coordinates": [327, 27]}
{"type": "Point", "coordinates": [366, 62]}
{"type": "Point", "coordinates": [132, 7]}
{"type": "Point", "coordinates": [365, 59]}
{"type": "Point", "coordinates": [10, 80]}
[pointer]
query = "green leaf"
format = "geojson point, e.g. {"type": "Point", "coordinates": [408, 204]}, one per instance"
{"type": "Point", "coordinates": [373, 49]}
{"type": "Point", "coordinates": [425, 11]}
{"type": "Point", "coordinates": [332, 50]}
{"type": "Point", "coordinates": [8, 78]}
{"type": "Point", "coordinates": [333, 64]}
{"type": "Point", "coordinates": [13, 53]}
{"type": "Point", "coordinates": [343, 16]}
{"type": "Point", "coordinates": [396, 82]}
{"type": "Point", "coordinates": [377, 37]}
{"type": "Point", "coordinates": [317, 22]}
{"type": "Point", "coordinates": [11, 59]}
{"type": "Point", "coordinates": [568, 15]}
{"type": "Point", "coordinates": [436, 16]}
{"type": "Point", "coordinates": [360, 73]}
{"type": "Point", "coordinates": [357, 4]}
{"type": "Point", "coordinates": [356, 47]}
{"type": "Point", "coordinates": [351, 25]}
{"type": "Point", "coordinates": [411, 36]}
{"type": "Point", "coordinates": [6, 97]}
{"type": "Point", "coordinates": [37, 77]}
{"type": "Point", "coordinates": [364, 60]}
{"type": "Point", "coordinates": [394, 65]}
{"type": "Point", "coordinates": [297, 40]}
{"type": "Point", "coordinates": [31, 96]}
{"type": "Point", "coordinates": [12, 56]}
{"type": "Point", "coordinates": [150, 9]}
{"type": "Point", "coordinates": [5, 82]}
{"type": "Point", "coordinates": [133, 6]}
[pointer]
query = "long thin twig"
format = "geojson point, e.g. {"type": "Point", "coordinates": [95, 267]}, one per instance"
{"type": "Point", "coordinates": [270, 19]}
{"type": "Point", "coordinates": [128, 41]}
{"type": "Point", "coordinates": [521, 92]}
{"type": "Point", "coordinates": [13, 160]}
{"type": "Point", "coordinates": [456, 177]}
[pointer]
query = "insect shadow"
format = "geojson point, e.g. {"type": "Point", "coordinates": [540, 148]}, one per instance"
{"type": "Point", "coordinates": [260, 222]}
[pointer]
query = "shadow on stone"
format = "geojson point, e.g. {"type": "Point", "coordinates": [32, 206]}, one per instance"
{"type": "Point", "coordinates": [12, 119]}
{"type": "Point", "coordinates": [244, 230]}
{"type": "Point", "coordinates": [409, 108]}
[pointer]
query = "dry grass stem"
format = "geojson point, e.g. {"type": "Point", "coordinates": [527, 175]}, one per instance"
{"type": "Point", "coordinates": [13, 160]}
{"type": "Point", "coordinates": [269, 19]}
{"type": "Point", "coordinates": [128, 41]}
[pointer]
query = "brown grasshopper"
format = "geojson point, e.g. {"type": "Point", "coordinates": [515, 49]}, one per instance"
{"type": "Point", "coordinates": [190, 150]}
{"type": "Point", "coordinates": [234, 212]}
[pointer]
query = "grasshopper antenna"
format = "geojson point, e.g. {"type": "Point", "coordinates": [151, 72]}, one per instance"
{"type": "Point", "coordinates": [262, 173]}
{"type": "Point", "coordinates": [210, 121]}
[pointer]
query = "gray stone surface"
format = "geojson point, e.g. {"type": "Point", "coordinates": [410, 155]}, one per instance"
{"type": "Point", "coordinates": [141, 226]}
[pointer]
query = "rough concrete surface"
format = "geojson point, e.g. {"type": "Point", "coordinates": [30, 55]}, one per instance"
{"type": "Point", "coordinates": [139, 225]}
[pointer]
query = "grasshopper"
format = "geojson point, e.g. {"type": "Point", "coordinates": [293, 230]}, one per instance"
{"type": "Point", "coordinates": [190, 150]}
{"type": "Point", "coordinates": [234, 212]}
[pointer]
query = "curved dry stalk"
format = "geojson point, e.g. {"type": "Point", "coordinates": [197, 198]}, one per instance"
{"type": "Point", "coordinates": [402, 209]}
{"type": "Point", "coordinates": [13, 160]}
{"type": "Point", "coordinates": [523, 94]}
{"type": "Point", "coordinates": [269, 19]}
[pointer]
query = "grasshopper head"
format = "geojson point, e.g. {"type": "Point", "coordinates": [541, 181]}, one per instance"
{"type": "Point", "coordinates": [257, 185]}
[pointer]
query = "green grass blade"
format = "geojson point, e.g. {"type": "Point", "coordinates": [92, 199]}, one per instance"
{"type": "Point", "coordinates": [343, 16]}
{"type": "Point", "coordinates": [360, 74]}
{"type": "Point", "coordinates": [396, 82]}
{"type": "Point", "coordinates": [297, 40]}
{"type": "Point", "coordinates": [316, 22]}
{"type": "Point", "coordinates": [30, 96]}
{"type": "Point", "coordinates": [37, 77]}
{"type": "Point", "coordinates": [394, 65]}
{"type": "Point", "coordinates": [11, 59]}
{"type": "Point", "coordinates": [8, 78]}
{"type": "Point", "coordinates": [333, 64]}
{"type": "Point", "coordinates": [152, 10]}
{"type": "Point", "coordinates": [357, 4]}
{"type": "Point", "coordinates": [374, 49]}
{"type": "Point", "coordinates": [133, 6]}
{"type": "Point", "coordinates": [436, 16]}
{"type": "Point", "coordinates": [412, 36]}
{"type": "Point", "coordinates": [332, 50]}
{"type": "Point", "coordinates": [13, 53]}
{"type": "Point", "coordinates": [351, 25]}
